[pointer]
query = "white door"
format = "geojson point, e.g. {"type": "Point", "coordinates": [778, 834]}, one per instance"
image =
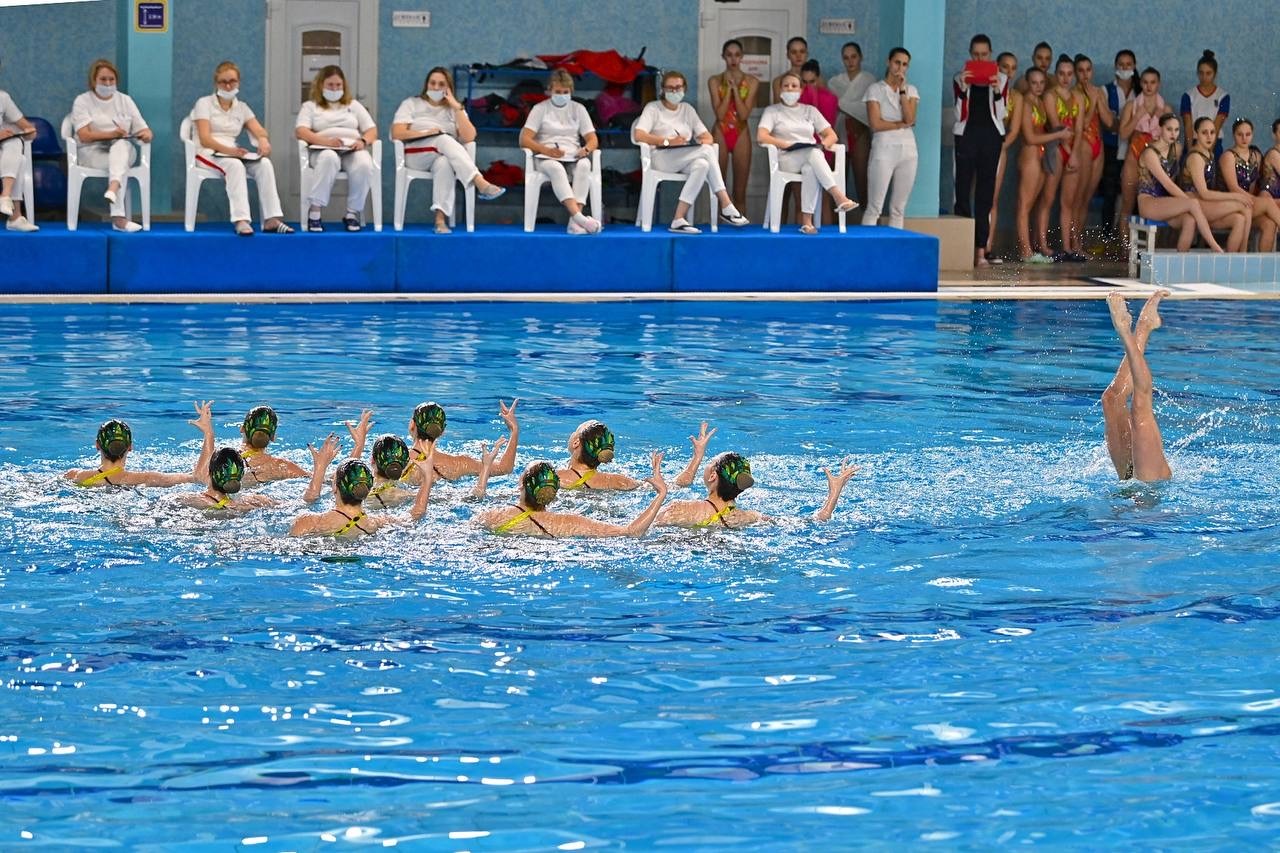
{"type": "Point", "coordinates": [763, 27]}
{"type": "Point", "coordinates": [303, 36]}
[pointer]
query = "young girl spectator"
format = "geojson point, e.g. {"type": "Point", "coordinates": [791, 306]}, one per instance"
{"type": "Point", "coordinates": [733, 96]}
{"type": "Point", "coordinates": [1240, 171]}
{"type": "Point", "coordinates": [1206, 100]}
{"type": "Point", "coordinates": [1035, 164]}
{"type": "Point", "coordinates": [1198, 178]}
{"type": "Point", "coordinates": [849, 88]}
{"type": "Point", "coordinates": [891, 113]}
{"type": "Point", "coordinates": [1162, 200]}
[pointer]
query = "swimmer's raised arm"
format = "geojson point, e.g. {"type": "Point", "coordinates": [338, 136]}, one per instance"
{"type": "Point", "coordinates": [320, 459]}
{"type": "Point", "coordinates": [360, 433]}
{"type": "Point", "coordinates": [507, 463]}
{"type": "Point", "coordinates": [835, 486]}
{"type": "Point", "coordinates": [576, 525]}
{"type": "Point", "coordinates": [203, 421]}
{"type": "Point", "coordinates": [487, 455]}
{"type": "Point", "coordinates": [699, 442]}
{"type": "Point", "coordinates": [426, 477]}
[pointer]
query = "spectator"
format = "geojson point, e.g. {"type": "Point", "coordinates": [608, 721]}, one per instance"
{"type": "Point", "coordinates": [339, 131]}
{"type": "Point", "coordinates": [1206, 100]}
{"type": "Point", "coordinates": [1042, 58]}
{"type": "Point", "coordinates": [1140, 124]}
{"type": "Point", "coordinates": [105, 122]}
{"type": "Point", "coordinates": [1240, 170]}
{"type": "Point", "coordinates": [1037, 160]}
{"type": "Point", "coordinates": [1008, 65]}
{"type": "Point", "coordinates": [849, 88]}
{"type": "Point", "coordinates": [13, 127]}
{"type": "Point", "coordinates": [797, 55]}
{"type": "Point", "coordinates": [733, 96]}
{"type": "Point", "coordinates": [979, 133]}
{"type": "Point", "coordinates": [559, 132]}
{"type": "Point", "coordinates": [1096, 116]}
{"type": "Point", "coordinates": [1121, 91]}
{"type": "Point", "coordinates": [891, 112]}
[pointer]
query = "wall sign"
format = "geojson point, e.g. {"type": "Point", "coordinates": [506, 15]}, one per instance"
{"type": "Point", "coordinates": [151, 16]}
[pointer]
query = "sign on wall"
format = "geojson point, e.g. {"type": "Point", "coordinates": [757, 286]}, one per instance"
{"type": "Point", "coordinates": [151, 16]}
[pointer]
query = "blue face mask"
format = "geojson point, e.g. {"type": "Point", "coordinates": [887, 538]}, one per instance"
{"type": "Point", "coordinates": [560, 99]}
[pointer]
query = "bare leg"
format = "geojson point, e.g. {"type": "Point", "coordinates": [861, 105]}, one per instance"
{"type": "Point", "coordinates": [1149, 463]}
{"type": "Point", "coordinates": [1186, 231]}
{"type": "Point", "coordinates": [741, 173]}
{"type": "Point", "coordinates": [1166, 207]}
{"type": "Point", "coordinates": [995, 201]}
{"type": "Point", "coordinates": [1045, 206]}
{"type": "Point", "coordinates": [1115, 419]}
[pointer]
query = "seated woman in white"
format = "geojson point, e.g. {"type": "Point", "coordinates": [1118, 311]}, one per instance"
{"type": "Point", "coordinates": [683, 144]}
{"type": "Point", "coordinates": [792, 126]}
{"type": "Point", "coordinates": [559, 131]}
{"type": "Point", "coordinates": [331, 119]}
{"type": "Point", "coordinates": [13, 128]}
{"type": "Point", "coordinates": [105, 122]}
{"type": "Point", "coordinates": [435, 129]}
{"type": "Point", "coordinates": [219, 118]}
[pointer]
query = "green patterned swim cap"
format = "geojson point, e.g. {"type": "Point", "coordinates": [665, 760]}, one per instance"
{"type": "Point", "coordinates": [226, 470]}
{"type": "Point", "coordinates": [354, 481]}
{"type": "Point", "coordinates": [390, 456]}
{"type": "Point", "coordinates": [597, 442]}
{"type": "Point", "coordinates": [259, 427]}
{"type": "Point", "coordinates": [540, 484]}
{"type": "Point", "coordinates": [429, 421]}
{"type": "Point", "coordinates": [735, 474]}
{"type": "Point", "coordinates": [114, 439]}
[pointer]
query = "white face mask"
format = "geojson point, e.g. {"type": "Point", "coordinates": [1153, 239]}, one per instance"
{"type": "Point", "coordinates": [334, 95]}
{"type": "Point", "coordinates": [673, 97]}
{"type": "Point", "coordinates": [228, 94]}
{"type": "Point", "coordinates": [435, 95]}
{"type": "Point", "coordinates": [560, 99]}
{"type": "Point", "coordinates": [1124, 73]}
{"type": "Point", "coordinates": [791, 98]}
{"type": "Point", "coordinates": [104, 91]}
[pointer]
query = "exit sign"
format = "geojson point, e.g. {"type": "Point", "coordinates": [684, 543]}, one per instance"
{"type": "Point", "coordinates": [836, 26]}
{"type": "Point", "coordinates": [411, 19]}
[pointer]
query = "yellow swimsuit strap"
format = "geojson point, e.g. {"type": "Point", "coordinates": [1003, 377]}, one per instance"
{"type": "Point", "coordinates": [220, 504]}
{"type": "Point", "coordinates": [99, 477]}
{"type": "Point", "coordinates": [582, 480]}
{"type": "Point", "coordinates": [719, 516]}
{"type": "Point", "coordinates": [250, 453]}
{"type": "Point", "coordinates": [509, 525]}
{"type": "Point", "coordinates": [351, 522]}
{"type": "Point", "coordinates": [390, 484]}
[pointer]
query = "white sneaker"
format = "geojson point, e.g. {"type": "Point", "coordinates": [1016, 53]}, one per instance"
{"type": "Point", "coordinates": [591, 225]}
{"type": "Point", "coordinates": [21, 224]}
{"type": "Point", "coordinates": [109, 196]}
{"type": "Point", "coordinates": [575, 228]}
{"type": "Point", "coordinates": [128, 227]}
{"type": "Point", "coordinates": [682, 226]}
{"type": "Point", "coordinates": [6, 205]}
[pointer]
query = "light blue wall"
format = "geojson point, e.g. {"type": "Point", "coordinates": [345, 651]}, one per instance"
{"type": "Point", "coordinates": [46, 52]}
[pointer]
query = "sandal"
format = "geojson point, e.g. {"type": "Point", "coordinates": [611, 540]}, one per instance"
{"type": "Point", "coordinates": [494, 192]}
{"type": "Point", "coordinates": [808, 229]}
{"type": "Point", "coordinates": [443, 228]}
{"type": "Point", "coordinates": [281, 227]}
{"type": "Point", "coordinates": [315, 225]}
{"type": "Point", "coordinates": [244, 229]}
{"type": "Point", "coordinates": [848, 207]}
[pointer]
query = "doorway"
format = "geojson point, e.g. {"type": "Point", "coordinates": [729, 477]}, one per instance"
{"type": "Point", "coordinates": [763, 27]}
{"type": "Point", "coordinates": [302, 37]}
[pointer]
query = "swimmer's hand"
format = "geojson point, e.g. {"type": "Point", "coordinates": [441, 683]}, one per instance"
{"type": "Point", "coordinates": [203, 420]}
{"type": "Point", "coordinates": [835, 485]}
{"type": "Point", "coordinates": [426, 466]}
{"type": "Point", "coordinates": [508, 415]}
{"type": "Point", "coordinates": [360, 432]}
{"type": "Point", "coordinates": [655, 479]}
{"type": "Point", "coordinates": [699, 442]}
{"type": "Point", "coordinates": [325, 453]}
{"type": "Point", "coordinates": [487, 456]}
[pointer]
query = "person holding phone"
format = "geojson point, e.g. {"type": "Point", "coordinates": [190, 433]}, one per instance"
{"type": "Point", "coordinates": [891, 111]}
{"type": "Point", "coordinates": [980, 92]}
{"type": "Point", "coordinates": [339, 131]}
{"type": "Point", "coordinates": [105, 122]}
{"type": "Point", "coordinates": [435, 129]}
{"type": "Point", "coordinates": [219, 119]}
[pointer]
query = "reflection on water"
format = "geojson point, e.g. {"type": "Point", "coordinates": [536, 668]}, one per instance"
{"type": "Point", "coordinates": [989, 605]}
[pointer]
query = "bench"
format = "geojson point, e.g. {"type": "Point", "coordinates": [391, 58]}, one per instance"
{"type": "Point", "coordinates": [1142, 238]}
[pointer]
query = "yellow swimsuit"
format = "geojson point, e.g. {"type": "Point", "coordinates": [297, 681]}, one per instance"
{"type": "Point", "coordinates": [582, 480]}
{"type": "Point", "coordinates": [719, 516]}
{"type": "Point", "coordinates": [351, 522]}
{"type": "Point", "coordinates": [100, 477]}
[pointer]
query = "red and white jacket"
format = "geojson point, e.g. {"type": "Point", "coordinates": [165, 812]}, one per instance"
{"type": "Point", "coordinates": [998, 96]}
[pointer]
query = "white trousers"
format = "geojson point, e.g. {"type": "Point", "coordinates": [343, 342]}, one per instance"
{"type": "Point", "coordinates": [450, 162]}
{"type": "Point", "coordinates": [236, 174]}
{"type": "Point", "coordinates": [555, 172]}
{"type": "Point", "coordinates": [700, 164]}
{"type": "Point", "coordinates": [894, 162]}
{"type": "Point", "coordinates": [325, 166]}
{"type": "Point", "coordinates": [116, 158]}
{"type": "Point", "coordinates": [814, 173]}
{"type": "Point", "coordinates": [11, 163]}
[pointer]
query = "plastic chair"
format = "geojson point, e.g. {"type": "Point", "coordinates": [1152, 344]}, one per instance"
{"type": "Point", "coordinates": [77, 173]}
{"type": "Point", "coordinates": [406, 176]}
{"type": "Point", "coordinates": [197, 173]}
{"type": "Point", "coordinates": [25, 183]}
{"type": "Point", "coordinates": [1142, 240]}
{"type": "Point", "coordinates": [651, 177]}
{"type": "Point", "coordinates": [533, 181]}
{"type": "Point", "coordinates": [778, 180]}
{"type": "Point", "coordinates": [375, 189]}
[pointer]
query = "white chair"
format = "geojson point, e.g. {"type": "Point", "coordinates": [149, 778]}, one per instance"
{"type": "Point", "coordinates": [77, 173]}
{"type": "Point", "coordinates": [533, 181]}
{"type": "Point", "coordinates": [406, 176]}
{"type": "Point", "coordinates": [375, 188]}
{"type": "Point", "coordinates": [778, 179]}
{"type": "Point", "coordinates": [651, 177]}
{"type": "Point", "coordinates": [196, 172]}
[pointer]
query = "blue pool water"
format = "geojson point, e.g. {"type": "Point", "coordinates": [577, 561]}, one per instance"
{"type": "Point", "coordinates": [993, 643]}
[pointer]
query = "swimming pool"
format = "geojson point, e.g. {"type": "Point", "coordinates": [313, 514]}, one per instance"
{"type": "Point", "coordinates": [992, 642]}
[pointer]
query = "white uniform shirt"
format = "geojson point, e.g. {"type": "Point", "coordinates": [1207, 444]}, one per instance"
{"type": "Point", "coordinates": [559, 127]}
{"type": "Point", "coordinates": [422, 115]}
{"type": "Point", "coordinates": [345, 121]}
{"type": "Point", "coordinates": [683, 121]}
{"type": "Point", "coordinates": [793, 124]}
{"type": "Point", "coordinates": [851, 93]}
{"type": "Point", "coordinates": [224, 125]}
{"type": "Point", "coordinates": [9, 112]}
{"type": "Point", "coordinates": [118, 111]}
{"type": "Point", "coordinates": [890, 101]}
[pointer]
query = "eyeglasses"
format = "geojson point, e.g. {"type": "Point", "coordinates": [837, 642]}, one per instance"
{"type": "Point", "coordinates": [231, 82]}
{"type": "Point", "coordinates": [673, 88]}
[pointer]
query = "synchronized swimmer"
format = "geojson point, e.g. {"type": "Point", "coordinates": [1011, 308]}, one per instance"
{"type": "Point", "coordinates": [399, 473]}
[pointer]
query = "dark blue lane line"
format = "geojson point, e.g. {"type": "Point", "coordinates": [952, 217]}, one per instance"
{"type": "Point", "coordinates": [730, 763]}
